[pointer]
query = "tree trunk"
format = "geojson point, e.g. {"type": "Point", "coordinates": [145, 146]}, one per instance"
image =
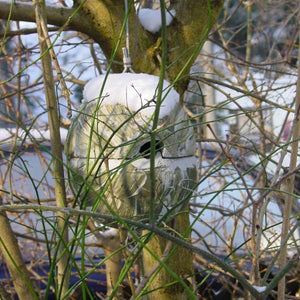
{"type": "Point", "coordinates": [180, 262]}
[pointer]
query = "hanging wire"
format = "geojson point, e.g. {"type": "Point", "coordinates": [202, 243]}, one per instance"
{"type": "Point", "coordinates": [126, 56]}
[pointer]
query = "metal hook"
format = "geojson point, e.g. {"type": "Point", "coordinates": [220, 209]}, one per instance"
{"type": "Point", "coordinates": [127, 61]}
{"type": "Point", "coordinates": [126, 57]}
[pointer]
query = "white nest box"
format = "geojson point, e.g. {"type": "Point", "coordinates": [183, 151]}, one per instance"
{"type": "Point", "coordinates": [108, 148]}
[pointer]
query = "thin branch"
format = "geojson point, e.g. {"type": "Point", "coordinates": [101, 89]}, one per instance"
{"type": "Point", "coordinates": [55, 139]}
{"type": "Point", "coordinates": [289, 199]}
{"type": "Point", "coordinates": [24, 31]}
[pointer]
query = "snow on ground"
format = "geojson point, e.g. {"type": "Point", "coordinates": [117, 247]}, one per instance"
{"type": "Point", "coordinates": [150, 19]}
{"type": "Point", "coordinates": [133, 91]}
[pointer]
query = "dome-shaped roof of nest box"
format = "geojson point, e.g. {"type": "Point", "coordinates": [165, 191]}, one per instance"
{"type": "Point", "coordinates": [108, 147]}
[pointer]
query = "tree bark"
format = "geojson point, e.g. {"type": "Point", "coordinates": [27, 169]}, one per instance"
{"type": "Point", "coordinates": [179, 262]}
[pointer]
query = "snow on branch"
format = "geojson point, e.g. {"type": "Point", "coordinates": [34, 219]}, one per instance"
{"type": "Point", "coordinates": [150, 19]}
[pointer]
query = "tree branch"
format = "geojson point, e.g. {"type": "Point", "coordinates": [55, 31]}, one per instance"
{"type": "Point", "coordinates": [25, 12]}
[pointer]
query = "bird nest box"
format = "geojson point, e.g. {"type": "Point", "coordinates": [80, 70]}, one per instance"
{"type": "Point", "coordinates": [109, 142]}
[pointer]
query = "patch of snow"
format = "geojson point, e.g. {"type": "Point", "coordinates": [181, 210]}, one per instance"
{"type": "Point", "coordinates": [134, 91]}
{"type": "Point", "coordinates": [278, 91]}
{"type": "Point", "coordinates": [150, 19]}
{"type": "Point", "coordinates": [281, 91]}
{"type": "Point", "coordinates": [260, 289]}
